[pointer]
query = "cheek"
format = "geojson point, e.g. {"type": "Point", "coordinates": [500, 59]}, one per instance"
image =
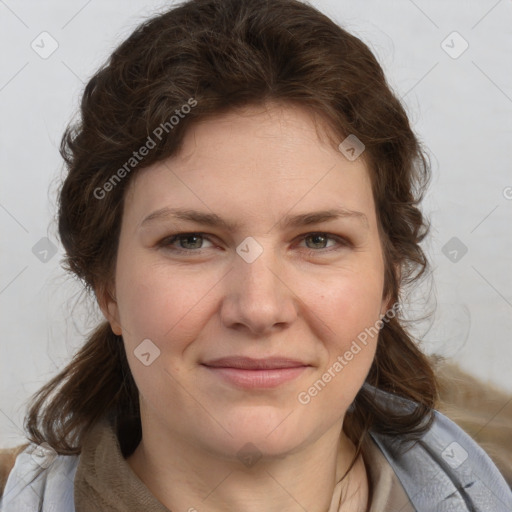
{"type": "Point", "coordinates": [155, 302]}
{"type": "Point", "coordinates": [350, 302]}
{"type": "Point", "coordinates": [166, 307]}
{"type": "Point", "coordinates": [350, 308]}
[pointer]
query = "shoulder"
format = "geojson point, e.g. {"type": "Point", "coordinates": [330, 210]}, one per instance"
{"type": "Point", "coordinates": [481, 410]}
{"type": "Point", "coordinates": [445, 468]}
{"type": "Point", "coordinates": [7, 460]}
{"type": "Point", "coordinates": [38, 472]}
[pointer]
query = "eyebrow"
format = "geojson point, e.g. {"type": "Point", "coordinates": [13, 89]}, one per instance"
{"type": "Point", "coordinates": [289, 221]}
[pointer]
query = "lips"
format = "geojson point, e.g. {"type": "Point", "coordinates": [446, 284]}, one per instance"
{"type": "Point", "coordinates": [249, 373]}
{"type": "Point", "coordinates": [247, 363]}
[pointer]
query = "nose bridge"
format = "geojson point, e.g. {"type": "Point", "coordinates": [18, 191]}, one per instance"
{"type": "Point", "coordinates": [257, 296]}
{"type": "Point", "coordinates": [259, 273]}
{"type": "Point", "coordinates": [256, 268]}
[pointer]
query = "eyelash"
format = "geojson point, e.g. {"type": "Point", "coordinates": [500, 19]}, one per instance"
{"type": "Point", "coordinates": [169, 240]}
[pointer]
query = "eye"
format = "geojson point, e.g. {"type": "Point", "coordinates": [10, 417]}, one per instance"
{"type": "Point", "coordinates": [188, 242]}
{"type": "Point", "coordinates": [320, 241]}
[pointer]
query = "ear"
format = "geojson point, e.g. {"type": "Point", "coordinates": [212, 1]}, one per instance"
{"type": "Point", "coordinates": [385, 305]}
{"type": "Point", "coordinates": [387, 300]}
{"type": "Point", "coordinates": [108, 305]}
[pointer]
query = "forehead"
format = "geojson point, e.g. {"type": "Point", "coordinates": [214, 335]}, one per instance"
{"type": "Point", "coordinates": [259, 159]}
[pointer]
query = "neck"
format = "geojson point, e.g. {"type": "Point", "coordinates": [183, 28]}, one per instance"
{"type": "Point", "coordinates": [303, 480]}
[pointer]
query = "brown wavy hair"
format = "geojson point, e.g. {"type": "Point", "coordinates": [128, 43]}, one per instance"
{"type": "Point", "coordinates": [227, 54]}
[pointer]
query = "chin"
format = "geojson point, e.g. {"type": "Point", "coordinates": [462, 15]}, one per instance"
{"type": "Point", "coordinates": [265, 430]}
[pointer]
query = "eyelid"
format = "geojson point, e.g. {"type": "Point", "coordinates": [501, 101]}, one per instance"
{"type": "Point", "coordinates": [166, 241]}
{"type": "Point", "coordinates": [342, 242]}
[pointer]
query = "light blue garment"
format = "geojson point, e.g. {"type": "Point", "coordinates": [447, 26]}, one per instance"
{"type": "Point", "coordinates": [39, 484]}
{"type": "Point", "coordinates": [446, 471]}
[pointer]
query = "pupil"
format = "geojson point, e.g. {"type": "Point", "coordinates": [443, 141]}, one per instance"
{"type": "Point", "coordinates": [191, 237]}
{"type": "Point", "coordinates": [316, 237]}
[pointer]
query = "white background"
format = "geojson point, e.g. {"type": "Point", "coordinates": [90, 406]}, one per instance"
{"type": "Point", "coordinates": [460, 107]}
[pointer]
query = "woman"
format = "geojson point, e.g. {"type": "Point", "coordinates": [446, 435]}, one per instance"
{"type": "Point", "coordinates": [242, 200]}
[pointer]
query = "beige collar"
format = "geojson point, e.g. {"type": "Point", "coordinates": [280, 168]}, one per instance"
{"type": "Point", "coordinates": [104, 481]}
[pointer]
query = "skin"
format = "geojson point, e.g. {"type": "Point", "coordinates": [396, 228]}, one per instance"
{"type": "Point", "coordinates": [303, 298]}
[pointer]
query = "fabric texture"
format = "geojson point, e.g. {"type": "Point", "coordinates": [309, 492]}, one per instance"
{"type": "Point", "coordinates": [40, 483]}
{"type": "Point", "coordinates": [105, 482]}
{"type": "Point", "coordinates": [386, 491]}
{"type": "Point", "coordinates": [99, 487]}
{"type": "Point", "coordinates": [100, 480]}
{"type": "Point", "coordinates": [446, 470]}
{"type": "Point", "coordinates": [443, 472]}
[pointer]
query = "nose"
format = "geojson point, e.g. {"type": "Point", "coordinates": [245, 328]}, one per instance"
{"type": "Point", "coordinates": [258, 297]}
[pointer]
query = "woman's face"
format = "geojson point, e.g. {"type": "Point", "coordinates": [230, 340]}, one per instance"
{"type": "Point", "coordinates": [243, 331]}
